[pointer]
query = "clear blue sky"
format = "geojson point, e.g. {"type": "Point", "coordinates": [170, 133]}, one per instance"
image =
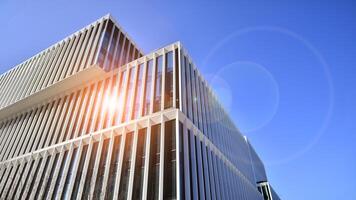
{"type": "Point", "coordinates": [284, 70]}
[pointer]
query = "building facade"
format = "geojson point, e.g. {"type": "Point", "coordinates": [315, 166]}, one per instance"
{"type": "Point", "coordinates": [92, 117]}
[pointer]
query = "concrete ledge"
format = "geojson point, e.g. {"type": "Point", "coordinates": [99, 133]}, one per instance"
{"type": "Point", "coordinates": [60, 87]}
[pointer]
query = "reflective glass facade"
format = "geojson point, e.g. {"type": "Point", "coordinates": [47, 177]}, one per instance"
{"type": "Point", "coordinates": [142, 127]}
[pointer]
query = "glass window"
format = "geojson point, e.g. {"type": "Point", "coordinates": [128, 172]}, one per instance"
{"type": "Point", "coordinates": [131, 52]}
{"type": "Point", "coordinates": [109, 57]}
{"type": "Point", "coordinates": [10, 179]}
{"type": "Point", "coordinates": [90, 96]}
{"type": "Point", "coordinates": [101, 169]}
{"type": "Point", "coordinates": [129, 94]}
{"type": "Point", "coordinates": [168, 93]}
{"type": "Point", "coordinates": [91, 111]}
{"type": "Point", "coordinates": [77, 117]}
{"type": "Point", "coordinates": [193, 166]}
{"type": "Point", "coordinates": [98, 42]}
{"type": "Point", "coordinates": [136, 54]}
{"type": "Point", "coordinates": [105, 44]}
{"type": "Point", "coordinates": [139, 165]}
{"type": "Point", "coordinates": [126, 163]}
{"type": "Point", "coordinates": [110, 95]}
{"type": "Point", "coordinates": [177, 78]}
{"type": "Point", "coordinates": [79, 172]}
{"type": "Point", "coordinates": [203, 189]}
{"type": "Point", "coordinates": [117, 59]}
{"type": "Point", "coordinates": [99, 106]}
{"type": "Point", "coordinates": [170, 180]}
{"type": "Point", "coordinates": [114, 164]}
{"type": "Point", "coordinates": [60, 174]}
{"type": "Point", "coordinates": [34, 177]}
{"type": "Point", "coordinates": [188, 88]}
{"type": "Point", "coordinates": [138, 92]}
{"type": "Point", "coordinates": [153, 174]}
{"type": "Point", "coordinates": [90, 171]}
{"type": "Point", "coordinates": [124, 53]}
{"type": "Point", "coordinates": [12, 196]}
{"type": "Point", "coordinates": [103, 36]}
{"type": "Point", "coordinates": [50, 178]}
{"type": "Point", "coordinates": [86, 45]}
{"type": "Point", "coordinates": [147, 95]}
{"type": "Point", "coordinates": [158, 85]}
{"type": "Point", "coordinates": [70, 173]}
{"type": "Point", "coordinates": [121, 96]}
{"type": "Point", "coordinates": [211, 173]}
{"type": "Point", "coordinates": [194, 94]}
{"type": "Point", "coordinates": [198, 101]}
{"type": "Point", "coordinates": [26, 178]}
{"type": "Point", "coordinates": [181, 163]}
{"type": "Point", "coordinates": [10, 168]}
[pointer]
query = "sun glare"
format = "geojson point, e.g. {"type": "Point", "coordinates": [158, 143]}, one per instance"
{"type": "Point", "coordinates": [110, 102]}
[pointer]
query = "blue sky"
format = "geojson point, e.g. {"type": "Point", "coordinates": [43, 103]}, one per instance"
{"type": "Point", "coordinates": [284, 70]}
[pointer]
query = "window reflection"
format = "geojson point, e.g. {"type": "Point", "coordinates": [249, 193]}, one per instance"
{"type": "Point", "coordinates": [109, 57]}
{"type": "Point", "coordinates": [147, 95]}
{"type": "Point", "coordinates": [138, 92]}
{"type": "Point", "coordinates": [121, 96]}
{"type": "Point", "coordinates": [117, 59]}
{"type": "Point", "coordinates": [114, 164]}
{"type": "Point", "coordinates": [79, 172]}
{"type": "Point", "coordinates": [169, 191]}
{"type": "Point", "coordinates": [126, 163]}
{"type": "Point", "coordinates": [33, 178]}
{"type": "Point", "coordinates": [50, 178]}
{"type": "Point", "coordinates": [90, 171]}
{"type": "Point", "coordinates": [105, 43]}
{"type": "Point", "coordinates": [139, 165]}
{"type": "Point", "coordinates": [102, 166]}
{"type": "Point", "coordinates": [60, 175]}
{"type": "Point", "coordinates": [124, 53]}
{"type": "Point", "coordinates": [41, 179]}
{"type": "Point", "coordinates": [73, 160]}
{"type": "Point", "coordinates": [153, 176]}
{"type": "Point", "coordinates": [168, 94]}
{"type": "Point", "coordinates": [158, 85]}
{"type": "Point", "coordinates": [129, 94]}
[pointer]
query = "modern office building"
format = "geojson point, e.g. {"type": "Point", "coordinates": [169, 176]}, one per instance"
{"type": "Point", "coordinates": [93, 117]}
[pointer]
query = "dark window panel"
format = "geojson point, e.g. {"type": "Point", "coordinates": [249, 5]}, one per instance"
{"type": "Point", "coordinates": [170, 173]}
{"type": "Point", "coordinates": [112, 46]}
{"type": "Point", "coordinates": [117, 59]}
{"type": "Point", "coordinates": [153, 174]}
{"type": "Point", "coordinates": [101, 171]}
{"type": "Point", "coordinates": [60, 174]}
{"type": "Point", "coordinates": [182, 162]}
{"type": "Point", "coordinates": [139, 165]}
{"type": "Point", "coordinates": [158, 85]}
{"type": "Point", "coordinates": [138, 92]}
{"type": "Point", "coordinates": [73, 160]}
{"type": "Point", "coordinates": [90, 171]}
{"type": "Point", "coordinates": [79, 172]}
{"type": "Point", "coordinates": [176, 65]}
{"type": "Point", "coordinates": [42, 177]}
{"type": "Point", "coordinates": [168, 93]}
{"type": "Point", "coordinates": [147, 95]}
{"type": "Point", "coordinates": [100, 38]}
{"type": "Point", "coordinates": [120, 92]}
{"type": "Point", "coordinates": [126, 163]}
{"type": "Point", "coordinates": [129, 94]}
{"type": "Point", "coordinates": [114, 164]}
{"type": "Point", "coordinates": [50, 178]}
